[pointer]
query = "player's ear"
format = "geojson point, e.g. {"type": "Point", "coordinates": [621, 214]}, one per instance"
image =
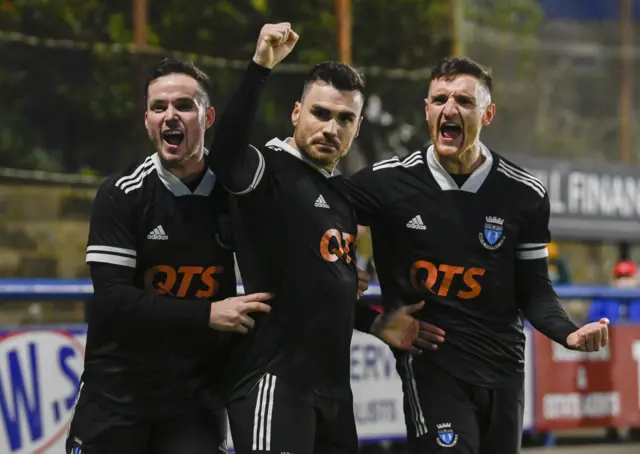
{"type": "Point", "coordinates": [295, 115]}
{"type": "Point", "coordinates": [359, 126]}
{"type": "Point", "coordinates": [426, 109]}
{"type": "Point", "coordinates": [210, 116]}
{"type": "Point", "coordinates": [146, 120]}
{"type": "Point", "coordinates": [489, 114]}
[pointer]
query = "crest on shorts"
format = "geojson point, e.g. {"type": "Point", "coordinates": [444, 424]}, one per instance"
{"type": "Point", "coordinates": [492, 236]}
{"type": "Point", "coordinates": [447, 437]}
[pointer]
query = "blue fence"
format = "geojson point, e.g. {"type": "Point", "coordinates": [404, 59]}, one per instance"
{"type": "Point", "coordinates": [614, 303]}
{"type": "Point", "coordinates": [61, 289]}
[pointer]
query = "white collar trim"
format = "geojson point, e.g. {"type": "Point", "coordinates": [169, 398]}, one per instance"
{"type": "Point", "coordinates": [475, 180]}
{"type": "Point", "coordinates": [177, 187]}
{"type": "Point", "coordinates": [283, 145]}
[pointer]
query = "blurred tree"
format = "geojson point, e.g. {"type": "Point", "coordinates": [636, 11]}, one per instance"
{"type": "Point", "coordinates": [74, 108]}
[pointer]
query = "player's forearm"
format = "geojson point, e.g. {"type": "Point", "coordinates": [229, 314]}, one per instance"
{"type": "Point", "coordinates": [549, 317]}
{"type": "Point", "coordinates": [364, 317]}
{"type": "Point", "coordinates": [137, 309]}
{"type": "Point", "coordinates": [540, 303]}
{"type": "Point", "coordinates": [230, 156]}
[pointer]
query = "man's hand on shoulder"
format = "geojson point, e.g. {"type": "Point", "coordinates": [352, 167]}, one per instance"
{"type": "Point", "coordinates": [231, 314]}
{"type": "Point", "coordinates": [402, 331]}
{"type": "Point", "coordinates": [275, 42]}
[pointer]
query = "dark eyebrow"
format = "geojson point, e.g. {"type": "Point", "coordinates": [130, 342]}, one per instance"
{"type": "Point", "coordinates": [161, 102]}
{"type": "Point", "coordinates": [185, 99]}
{"type": "Point", "coordinates": [341, 113]}
{"type": "Point", "coordinates": [347, 114]}
{"type": "Point", "coordinates": [457, 95]}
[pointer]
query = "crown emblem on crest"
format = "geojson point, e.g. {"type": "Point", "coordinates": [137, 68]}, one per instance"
{"type": "Point", "coordinates": [445, 425]}
{"type": "Point", "coordinates": [494, 220]}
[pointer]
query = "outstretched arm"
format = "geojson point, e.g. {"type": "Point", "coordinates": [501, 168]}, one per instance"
{"type": "Point", "coordinates": [539, 301]}
{"type": "Point", "coordinates": [239, 165]}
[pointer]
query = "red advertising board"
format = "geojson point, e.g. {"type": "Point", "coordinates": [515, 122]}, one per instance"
{"type": "Point", "coordinates": [599, 389]}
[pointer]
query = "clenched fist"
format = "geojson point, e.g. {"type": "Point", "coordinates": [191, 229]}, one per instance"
{"type": "Point", "coordinates": [591, 337]}
{"type": "Point", "coordinates": [275, 42]}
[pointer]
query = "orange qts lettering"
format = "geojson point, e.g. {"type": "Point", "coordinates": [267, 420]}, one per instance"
{"type": "Point", "coordinates": [335, 245]}
{"type": "Point", "coordinates": [432, 275]}
{"type": "Point", "coordinates": [474, 286]}
{"type": "Point", "coordinates": [211, 285]}
{"type": "Point", "coordinates": [448, 273]}
{"type": "Point", "coordinates": [162, 279]}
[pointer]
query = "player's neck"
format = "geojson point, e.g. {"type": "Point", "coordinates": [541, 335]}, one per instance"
{"type": "Point", "coordinates": [189, 169]}
{"type": "Point", "coordinates": [463, 163]}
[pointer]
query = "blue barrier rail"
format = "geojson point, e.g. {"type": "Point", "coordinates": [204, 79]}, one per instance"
{"type": "Point", "coordinates": [29, 289]}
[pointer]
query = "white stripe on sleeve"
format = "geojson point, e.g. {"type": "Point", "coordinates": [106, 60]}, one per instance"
{"type": "Point", "coordinates": [96, 257]}
{"type": "Point", "coordinates": [532, 254]}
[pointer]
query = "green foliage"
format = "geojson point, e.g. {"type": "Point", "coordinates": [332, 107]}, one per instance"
{"type": "Point", "coordinates": [83, 106]}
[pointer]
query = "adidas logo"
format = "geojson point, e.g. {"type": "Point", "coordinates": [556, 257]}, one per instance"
{"type": "Point", "coordinates": [321, 202]}
{"type": "Point", "coordinates": [157, 234]}
{"type": "Point", "coordinates": [416, 223]}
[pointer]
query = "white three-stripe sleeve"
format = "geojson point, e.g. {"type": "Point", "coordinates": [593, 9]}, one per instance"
{"type": "Point", "coordinates": [111, 232]}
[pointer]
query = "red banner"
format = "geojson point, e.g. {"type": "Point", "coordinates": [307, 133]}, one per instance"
{"type": "Point", "coordinates": [599, 389]}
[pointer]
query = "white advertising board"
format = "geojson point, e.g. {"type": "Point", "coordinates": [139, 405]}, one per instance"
{"type": "Point", "coordinates": [40, 371]}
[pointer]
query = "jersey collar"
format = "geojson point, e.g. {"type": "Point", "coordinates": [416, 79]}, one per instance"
{"type": "Point", "coordinates": [177, 187]}
{"type": "Point", "coordinates": [473, 183]}
{"type": "Point", "coordinates": [283, 145]}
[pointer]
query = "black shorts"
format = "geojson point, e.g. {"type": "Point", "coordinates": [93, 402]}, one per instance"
{"type": "Point", "coordinates": [95, 430]}
{"type": "Point", "coordinates": [447, 415]}
{"type": "Point", "coordinates": [276, 418]}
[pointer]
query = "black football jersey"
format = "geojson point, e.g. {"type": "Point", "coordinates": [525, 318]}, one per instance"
{"type": "Point", "coordinates": [457, 248]}
{"type": "Point", "coordinates": [294, 232]}
{"type": "Point", "coordinates": [178, 244]}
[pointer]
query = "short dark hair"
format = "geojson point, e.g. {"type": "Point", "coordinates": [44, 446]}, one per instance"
{"type": "Point", "coordinates": [336, 74]}
{"type": "Point", "coordinates": [175, 66]}
{"type": "Point", "coordinates": [451, 67]}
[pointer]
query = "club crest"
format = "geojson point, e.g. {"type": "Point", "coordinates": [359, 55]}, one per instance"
{"type": "Point", "coordinates": [492, 236]}
{"type": "Point", "coordinates": [447, 437]}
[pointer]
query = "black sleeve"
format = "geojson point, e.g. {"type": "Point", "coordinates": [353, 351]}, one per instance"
{"type": "Point", "coordinates": [365, 195]}
{"type": "Point", "coordinates": [112, 253]}
{"type": "Point", "coordinates": [116, 298]}
{"type": "Point", "coordinates": [539, 301]}
{"type": "Point", "coordinates": [365, 315]}
{"type": "Point", "coordinates": [239, 165]}
{"type": "Point", "coordinates": [111, 228]}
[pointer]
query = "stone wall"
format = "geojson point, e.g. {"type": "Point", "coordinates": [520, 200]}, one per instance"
{"type": "Point", "coordinates": [43, 234]}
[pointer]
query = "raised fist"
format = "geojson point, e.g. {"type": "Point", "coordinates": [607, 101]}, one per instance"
{"type": "Point", "coordinates": [275, 42]}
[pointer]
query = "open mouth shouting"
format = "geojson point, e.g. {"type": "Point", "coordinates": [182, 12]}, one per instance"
{"type": "Point", "coordinates": [450, 131]}
{"type": "Point", "coordinates": [172, 138]}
